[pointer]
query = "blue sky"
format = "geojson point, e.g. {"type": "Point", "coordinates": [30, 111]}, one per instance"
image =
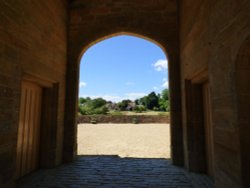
{"type": "Point", "coordinates": [122, 67]}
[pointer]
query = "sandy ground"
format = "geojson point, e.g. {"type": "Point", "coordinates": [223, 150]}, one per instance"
{"type": "Point", "coordinates": [125, 140]}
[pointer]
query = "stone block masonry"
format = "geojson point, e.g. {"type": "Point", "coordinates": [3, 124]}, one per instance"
{"type": "Point", "coordinates": [112, 171]}
{"type": "Point", "coordinates": [33, 45]}
{"type": "Point", "coordinates": [123, 119]}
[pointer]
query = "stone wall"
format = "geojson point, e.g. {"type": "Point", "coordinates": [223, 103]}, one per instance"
{"type": "Point", "coordinates": [33, 45]}
{"type": "Point", "coordinates": [211, 33]}
{"type": "Point", "coordinates": [123, 119]}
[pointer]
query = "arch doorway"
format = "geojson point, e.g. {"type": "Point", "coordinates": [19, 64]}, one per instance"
{"type": "Point", "coordinates": [118, 75]}
{"type": "Point", "coordinates": [72, 88]}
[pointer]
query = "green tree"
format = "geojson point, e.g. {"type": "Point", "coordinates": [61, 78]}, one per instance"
{"type": "Point", "coordinates": [96, 103]}
{"type": "Point", "coordinates": [140, 108]}
{"type": "Point", "coordinates": [152, 101]}
{"type": "Point", "coordinates": [164, 101]}
{"type": "Point", "coordinates": [143, 101]}
{"type": "Point", "coordinates": [137, 101]}
{"type": "Point", "coordinates": [82, 100]}
{"type": "Point", "coordinates": [89, 106]}
{"type": "Point", "coordinates": [124, 104]}
{"type": "Point", "coordinates": [100, 110]}
{"type": "Point", "coordinates": [165, 94]}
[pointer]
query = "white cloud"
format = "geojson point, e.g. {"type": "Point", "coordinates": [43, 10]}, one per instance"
{"type": "Point", "coordinates": [155, 88]}
{"type": "Point", "coordinates": [129, 83]}
{"type": "Point", "coordinates": [164, 79]}
{"type": "Point", "coordinates": [82, 84]}
{"type": "Point", "coordinates": [161, 65]}
{"type": "Point", "coordinates": [114, 98]}
{"type": "Point", "coordinates": [165, 84]}
{"type": "Point", "coordinates": [133, 96]}
{"type": "Point", "coordinates": [117, 98]}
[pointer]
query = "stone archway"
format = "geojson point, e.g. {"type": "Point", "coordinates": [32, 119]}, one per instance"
{"type": "Point", "coordinates": [242, 76]}
{"type": "Point", "coordinates": [161, 26]}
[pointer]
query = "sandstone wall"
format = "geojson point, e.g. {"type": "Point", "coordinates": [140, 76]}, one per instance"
{"type": "Point", "coordinates": [33, 44]}
{"type": "Point", "coordinates": [123, 119]}
{"type": "Point", "coordinates": [211, 33]}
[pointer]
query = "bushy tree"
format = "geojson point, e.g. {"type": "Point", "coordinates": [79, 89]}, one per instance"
{"type": "Point", "coordinates": [124, 104]}
{"type": "Point", "coordinates": [143, 101]}
{"type": "Point", "coordinates": [100, 110]}
{"type": "Point", "coordinates": [89, 106]}
{"type": "Point", "coordinates": [140, 108]}
{"type": "Point", "coordinates": [165, 94]}
{"type": "Point", "coordinates": [164, 101]}
{"type": "Point", "coordinates": [82, 100]}
{"type": "Point", "coordinates": [96, 103]}
{"type": "Point", "coordinates": [152, 101]}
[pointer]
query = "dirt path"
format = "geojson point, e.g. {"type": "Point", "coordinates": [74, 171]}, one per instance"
{"type": "Point", "coordinates": [125, 140]}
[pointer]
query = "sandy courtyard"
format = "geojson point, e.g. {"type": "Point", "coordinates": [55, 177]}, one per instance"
{"type": "Point", "coordinates": [125, 140]}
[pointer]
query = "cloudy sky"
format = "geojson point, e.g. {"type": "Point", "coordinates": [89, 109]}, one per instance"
{"type": "Point", "coordinates": [123, 67]}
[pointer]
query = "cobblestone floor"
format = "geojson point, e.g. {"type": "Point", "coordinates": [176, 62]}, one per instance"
{"type": "Point", "coordinates": [112, 171]}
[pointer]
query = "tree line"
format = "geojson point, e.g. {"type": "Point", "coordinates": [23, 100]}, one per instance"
{"type": "Point", "coordinates": [150, 102]}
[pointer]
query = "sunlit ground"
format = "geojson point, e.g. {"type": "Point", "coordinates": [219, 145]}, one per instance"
{"type": "Point", "coordinates": [125, 140]}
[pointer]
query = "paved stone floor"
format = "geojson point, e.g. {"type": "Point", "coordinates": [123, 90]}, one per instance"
{"type": "Point", "coordinates": [112, 171]}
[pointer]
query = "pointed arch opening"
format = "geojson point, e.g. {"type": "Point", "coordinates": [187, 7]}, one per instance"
{"type": "Point", "coordinates": [140, 60]}
{"type": "Point", "coordinates": [77, 49]}
{"type": "Point", "coordinates": [117, 34]}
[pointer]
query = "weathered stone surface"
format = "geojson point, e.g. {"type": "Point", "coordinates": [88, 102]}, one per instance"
{"type": "Point", "coordinates": [32, 41]}
{"type": "Point", "coordinates": [123, 119]}
{"type": "Point", "coordinates": [211, 34]}
{"type": "Point", "coordinates": [112, 171]}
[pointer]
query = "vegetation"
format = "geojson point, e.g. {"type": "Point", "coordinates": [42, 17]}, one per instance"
{"type": "Point", "coordinates": [151, 102]}
{"type": "Point", "coordinates": [129, 113]}
{"type": "Point", "coordinates": [89, 106]}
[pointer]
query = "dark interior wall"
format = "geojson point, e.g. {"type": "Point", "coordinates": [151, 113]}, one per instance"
{"type": "Point", "coordinates": [92, 21]}
{"type": "Point", "coordinates": [211, 34]}
{"type": "Point", "coordinates": [230, 26]}
{"type": "Point", "coordinates": [33, 41]}
{"type": "Point", "coordinates": [195, 136]}
{"type": "Point", "coordinates": [242, 82]}
{"type": "Point", "coordinates": [194, 53]}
